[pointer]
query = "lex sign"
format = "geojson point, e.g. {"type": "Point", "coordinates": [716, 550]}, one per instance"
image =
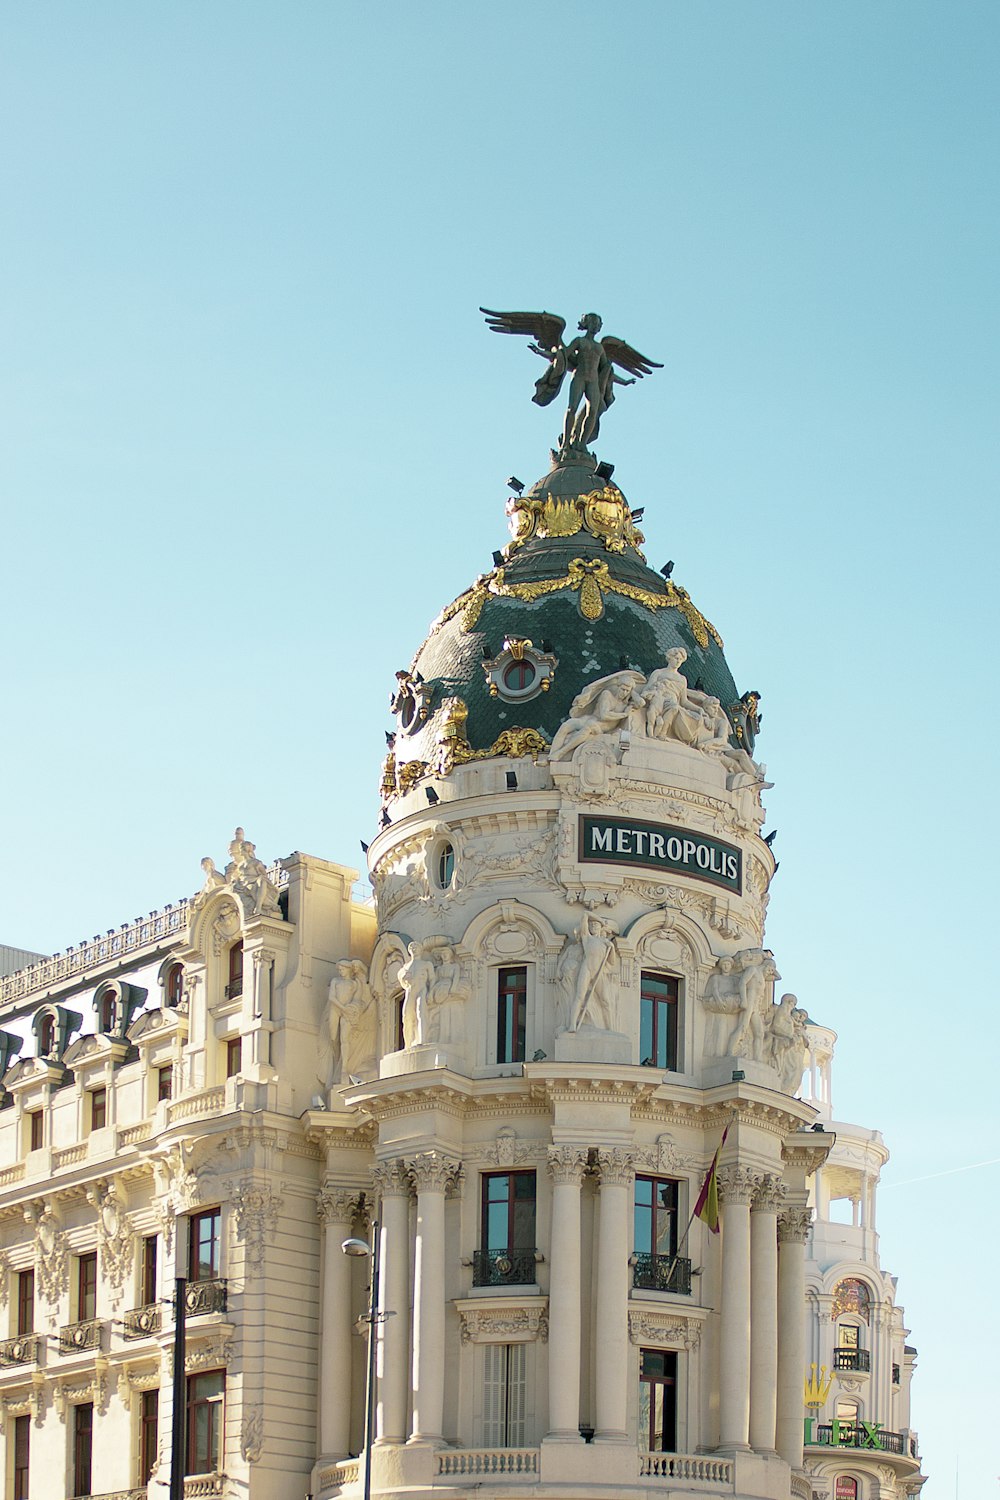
{"type": "Point", "coordinates": [844, 1434]}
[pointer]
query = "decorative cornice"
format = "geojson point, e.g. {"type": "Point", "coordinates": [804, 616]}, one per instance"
{"type": "Point", "coordinates": [667, 1328]}
{"type": "Point", "coordinates": [504, 1322]}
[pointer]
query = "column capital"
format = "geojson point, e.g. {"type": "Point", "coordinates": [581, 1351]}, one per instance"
{"type": "Point", "coordinates": [430, 1172]}
{"type": "Point", "coordinates": [616, 1167]}
{"type": "Point", "coordinates": [737, 1184]}
{"type": "Point", "coordinates": [338, 1205]}
{"type": "Point", "coordinates": [769, 1194]}
{"type": "Point", "coordinates": [794, 1225]}
{"type": "Point", "coordinates": [391, 1179]}
{"type": "Point", "coordinates": [567, 1163]}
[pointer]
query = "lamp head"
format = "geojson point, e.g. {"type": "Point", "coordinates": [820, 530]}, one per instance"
{"type": "Point", "coordinates": [356, 1247]}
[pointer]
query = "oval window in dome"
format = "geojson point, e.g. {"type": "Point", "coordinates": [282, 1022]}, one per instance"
{"type": "Point", "coordinates": [446, 866]}
{"type": "Point", "coordinates": [519, 676]}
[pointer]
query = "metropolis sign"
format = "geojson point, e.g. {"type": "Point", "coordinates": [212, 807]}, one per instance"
{"type": "Point", "coordinates": [655, 846]}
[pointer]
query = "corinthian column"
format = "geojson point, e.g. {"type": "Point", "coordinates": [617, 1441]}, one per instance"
{"type": "Point", "coordinates": [393, 1353]}
{"type": "Point", "coordinates": [337, 1209]}
{"type": "Point", "coordinates": [566, 1166]}
{"type": "Point", "coordinates": [736, 1187]}
{"type": "Point", "coordinates": [616, 1168]}
{"type": "Point", "coordinates": [764, 1311]}
{"type": "Point", "coordinates": [431, 1175]}
{"type": "Point", "coordinates": [793, 1231]}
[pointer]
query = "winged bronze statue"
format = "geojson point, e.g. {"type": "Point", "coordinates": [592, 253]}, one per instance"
{"type": "Point", "coordinates": [591, 362]}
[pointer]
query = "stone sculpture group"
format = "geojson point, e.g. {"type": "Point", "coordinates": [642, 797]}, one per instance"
{"type": "Point", "coordinates": [742, 1020]}
{"type": "Point", "coordinates": [662, 706]}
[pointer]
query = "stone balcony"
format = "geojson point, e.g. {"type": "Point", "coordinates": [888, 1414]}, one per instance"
{"type": "Point", "coordinates": [142, 1322]}
{"type": "Point", "coordinates": [77, 1338]}
{"type": "Point", "coordinates": [18, 1351]}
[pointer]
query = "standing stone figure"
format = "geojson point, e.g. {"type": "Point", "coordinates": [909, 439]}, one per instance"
{"type": "Point", "coordinates": [352, 1023]}
{"type": "Point", "coordinates": [593, 1000]}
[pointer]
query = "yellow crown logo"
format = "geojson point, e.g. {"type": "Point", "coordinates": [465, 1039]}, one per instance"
{"type": "Point", "coordinates": [816, 1388]}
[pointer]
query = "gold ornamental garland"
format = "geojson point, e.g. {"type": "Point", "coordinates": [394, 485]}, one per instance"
{"type": "Point", "coordinates": [591, 579]}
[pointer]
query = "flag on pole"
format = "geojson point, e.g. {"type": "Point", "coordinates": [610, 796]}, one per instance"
{"type": "Point", "coordinates": [707, 1206]}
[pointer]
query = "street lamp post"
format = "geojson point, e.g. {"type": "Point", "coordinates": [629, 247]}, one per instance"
{"type": "Point", "coordinates": [359, 1248]}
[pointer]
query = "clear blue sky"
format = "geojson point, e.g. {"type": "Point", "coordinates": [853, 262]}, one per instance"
{"type": "Point", "coordinates": [255, 434]}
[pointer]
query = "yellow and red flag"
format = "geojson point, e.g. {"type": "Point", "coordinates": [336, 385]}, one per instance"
{"type": "Point", "coordinates": [707, 1206]}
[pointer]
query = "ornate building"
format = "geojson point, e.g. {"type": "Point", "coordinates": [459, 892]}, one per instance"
{"type": "Point", "coordinates": [519, 1063]}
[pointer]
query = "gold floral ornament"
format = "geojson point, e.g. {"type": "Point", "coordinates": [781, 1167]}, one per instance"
{"type": "Point", "coordinates": [605, 513]}
{"type": "Point", "coordinates": [593, 580]}
{"type": "Point", "coordinates": [454, 748]}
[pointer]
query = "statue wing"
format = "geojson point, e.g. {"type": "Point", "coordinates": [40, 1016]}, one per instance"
{"type": "Point", "coordinates": [629, 359]}
{"type": "Point", "coordinates": [545, 328]}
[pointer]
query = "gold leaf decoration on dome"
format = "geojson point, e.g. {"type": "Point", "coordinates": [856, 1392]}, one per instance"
{"type": "Point", "coordinates": [592, 579]}
{"type": "Point", "coordinates": [605, 513]}
{"type": "Point", "coordinates": [387, 785]}
{"type": "Point", "coordinates": [409, 773]}
{"type": "Point", "coordinates": [455, 749]}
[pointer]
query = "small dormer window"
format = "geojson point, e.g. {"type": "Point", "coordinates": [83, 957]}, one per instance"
{"type": "Point", "coordinates": [235, 985]}
{"type": "Point", "coordinates": [46, 1036]}
{"type": "Point", "coordinates": [520, 671]}
{"type": "Point", "coordinates": [108, 1011]}
{"type": "Point", "coordinates": [175, 985]}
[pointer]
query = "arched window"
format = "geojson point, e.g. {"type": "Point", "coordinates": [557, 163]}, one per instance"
{"type": "Point", "coordinates": [397, 1016]}
{"type": "Point", "coordinates": [445, 866]}
{"type": "Point", "coordinates": [108, 1011]}
{"type": "Point", "coordinates": [46, 1036]}
{"type": "Point", "coordinates": [235, 985]}
{"type": "Point", "coordinates": [175, 985]}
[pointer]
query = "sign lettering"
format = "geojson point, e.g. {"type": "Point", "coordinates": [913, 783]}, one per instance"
{"type": "Point", "coordinates": [654, 846]}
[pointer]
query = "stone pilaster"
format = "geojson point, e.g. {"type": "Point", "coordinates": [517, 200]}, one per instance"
{"type": "Point", "coordinates": [617, 1170]}
{"type": "Point", "coordinates": [767, 1200]}
{"type": "Point", "coordinates": [431, 1175]}
{"type": "Point", "coordinates": [736, 1188]}
{"type": "Point", "coordinates": [793, 1231]}
{"type": "Point", "coordinates": [567, 1165]}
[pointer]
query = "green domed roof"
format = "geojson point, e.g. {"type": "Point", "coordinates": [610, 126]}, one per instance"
{"type": "Point", "coordinates": [575, 585]}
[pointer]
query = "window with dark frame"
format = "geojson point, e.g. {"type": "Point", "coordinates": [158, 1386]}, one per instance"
{"type": "Point", "coordinates": [204, 1237]}
{"type": "Point", "coordinates": [658, 1400]}
{"type": "Point", "coordinates": [235, 985]}
{"type": "Point", "coordinates": [25, 1303]}
{"type": "Point", "coordinates": [654, 1216]}
{"type": "Point", "coordinates": [519, 676]}
{"type": "Point", "coordinates": [83, 1447]}
{"type": "Point", "coordinates": [147, 1288]}
{"type": "Point", "coordinates": [234, 1056]}
{"type": "Point", "coordinates": [175, 985]}
{"type": "Point", "coordinates": [86, 1288]}
{"type": "Point", "coordinates": [22, 1456]}
{"type": "Point", "coordinates": [658, 1005]}
{"type": "Point", "coordinates": [36, 1129]}
{"type": "Point", "coordinates": [149, 1433]}
{"type": "Point", "coordinates": [398, 1004]}
{"type": "Point", "coordinates": [164, 1083]}
{"type": "Point", "coordinates": [98, 1108]}
{"type": "Point", "coordinates": [508, 1221]}
{"type": "Point", "coordinates": [204, 1421]}
{"type": "Point", "coordinates": [46, 1036]}
{"type": "Point", "coordinates": [108, 1010]}
{"type": "Point", "coordinates": [446, 866]}
{"type": "Point", "coordinates": [512, 1003]}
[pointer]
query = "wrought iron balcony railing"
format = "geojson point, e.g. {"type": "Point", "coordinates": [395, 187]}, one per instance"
{"type": "Point", "coordinates": [140, 1322]}
{"type": "Point", "coordinates": [852, 1359]}
{"type": "Point", "coordinates": [76, 1337]}
{"type": "Point", "coordinates": [234, 989]}
{"type": "Point", "coordinates": [19, 1351]}
{"type": "Point", "coordinates": [662, 1273]}
{"type": "Point", "coordinates": [207, 1296]}
{"type": "Point", "coordinates": [503, 1268]}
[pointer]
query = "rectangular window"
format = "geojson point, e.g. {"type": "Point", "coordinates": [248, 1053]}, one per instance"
{"type": "Point", "coordinates": [147, 1290]}
{"type": "Point", "coordinates": [658, 1400]}
{"type": "Point", "coordinates": [22, 1453]}
{"type": "Point", "coordinates": [25, 1303]}
{"type": "Point", "coordinates": [655, 1216]}
{"type": "Point", "coordinates": [149, 1433]}
{"type": "Point", "coordinates": [36, 1130]}
{"type": "Point", "coordinates": [505, 1396]}
{"type": "Point", "coordinates": [203, 1245]}
{"type": "Point", "coordinates": [234, 1056]}
{"type": "Point", "coordinates": [98, 1109]}
{"type": "Point", "coordinates": [658, 997]}
{"type": "Point", "coordinates": [83, 1447]}
{"type": "Point", "coordinates": [204, 1421]}
{"type": "Point", "coordinates": [508, 1211]}
{"type": "Point", "coordinates": [164, 1083]}
{"type": "Point", "coordinates": [398, 1004]}
{"type": "Point", "coordinates": [235, 985]}
{"type": "Point", "coordinates": [86, 1292]}
{"type": "Point", "coordinates": [512, 999]}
